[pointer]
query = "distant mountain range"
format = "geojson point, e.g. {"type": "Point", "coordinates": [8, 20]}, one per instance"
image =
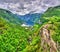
{"type": "Point", "coordinates": [10, 17]}
{"type": "Point", "coordinates": [28, 19]}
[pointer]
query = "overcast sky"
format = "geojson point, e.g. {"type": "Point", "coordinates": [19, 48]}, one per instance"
{"type": "Point", "coordinates": [23, 7]}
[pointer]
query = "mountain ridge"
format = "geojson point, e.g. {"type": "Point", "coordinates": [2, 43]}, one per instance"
{"type": "Point", "coordinates": [9, 16]}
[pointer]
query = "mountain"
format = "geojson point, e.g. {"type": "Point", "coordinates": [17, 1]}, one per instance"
{"type": "Point", "coordinates": [51, 22]}
{"type": "Point", "coordinates": [52, 16]}
{"type": "Point", "coordinates": [50, 13]}
{"type": "Point", "coordinates": [10, 17]}
{"type": "Point", "coordinates": [30, 19]}
{"type": "Point", "coordinates": [14, 38]}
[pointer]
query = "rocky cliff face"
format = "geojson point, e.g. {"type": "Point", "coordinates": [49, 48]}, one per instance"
{"type": "Point", "coordinates": [47, 40]}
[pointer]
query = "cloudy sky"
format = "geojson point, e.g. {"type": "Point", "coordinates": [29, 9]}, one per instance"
{"type": "Point", "coordinates": [23, 7]}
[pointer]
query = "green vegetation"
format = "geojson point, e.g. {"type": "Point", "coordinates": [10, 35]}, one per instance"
{"type": "Point", "coordinates": [52, 16]}
{"type": "Point", "coordinates": [15, 38]}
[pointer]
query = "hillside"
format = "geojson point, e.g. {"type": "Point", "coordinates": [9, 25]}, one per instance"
{"type": "Point", "coordinates": [9, 16]}
{"type": "Point", "coordinates": [15, 38]}
{"type": "Point", "coordinates": [51, 12]}
{"type": "Point", "coordinates": [52, 16]}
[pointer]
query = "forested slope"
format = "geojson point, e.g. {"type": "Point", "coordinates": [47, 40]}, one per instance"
{"type": "Point", "coordinates": [52, 17]}
{"type": "Point", "coordinates": [15, 38]}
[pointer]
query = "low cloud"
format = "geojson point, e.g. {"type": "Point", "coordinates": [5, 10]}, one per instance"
{"type": "Point", "coordinates": [23, 7]}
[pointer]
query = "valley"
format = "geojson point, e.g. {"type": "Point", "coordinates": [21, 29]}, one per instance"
{"type": "Point", "coordinates": [15, 38]}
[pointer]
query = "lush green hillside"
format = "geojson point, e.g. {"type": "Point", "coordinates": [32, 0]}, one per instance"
{"type": "Point", "coordinates": [14, 38]}
{"type": "Point", "coordinates": [10, 17]}
{"type": "Point", "coordinates": [51, 12]}
{"type": "Point", "coordinates": [52, 16]}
